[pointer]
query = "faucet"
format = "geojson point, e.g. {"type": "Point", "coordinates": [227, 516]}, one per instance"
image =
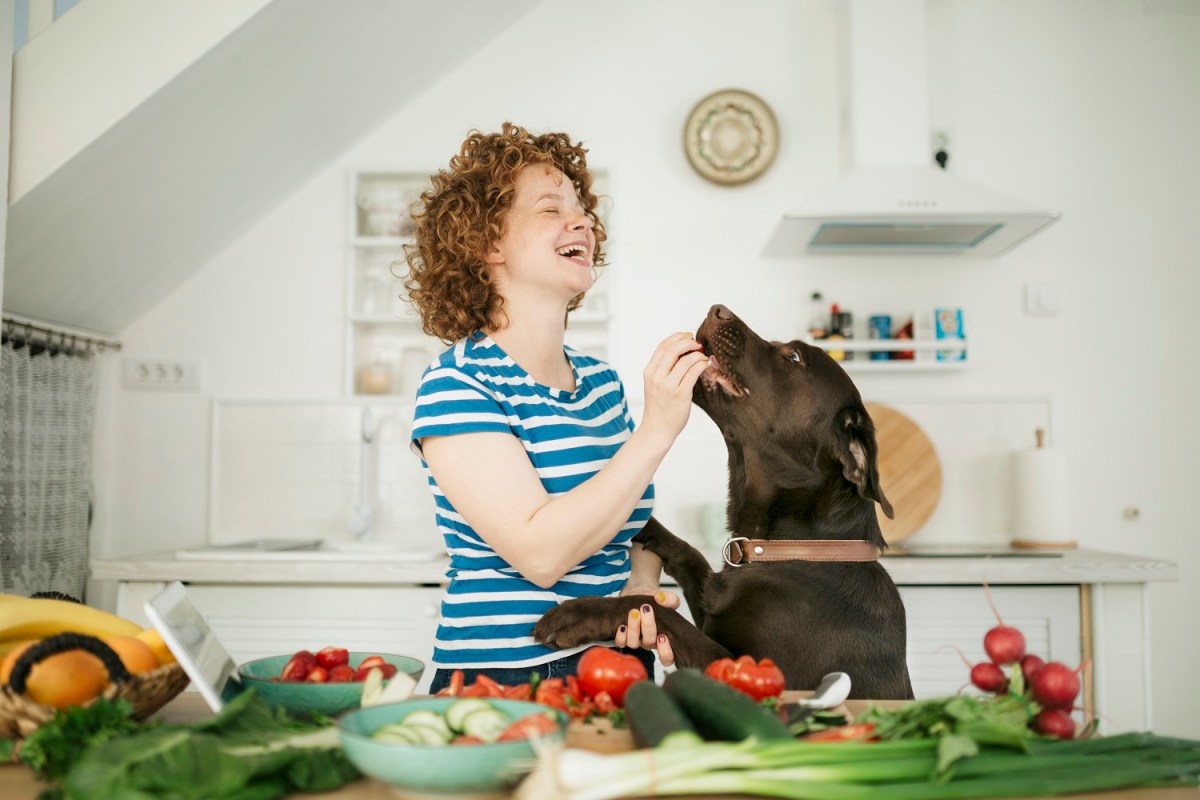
{"type": "Point", "coordinates": [362, 518]}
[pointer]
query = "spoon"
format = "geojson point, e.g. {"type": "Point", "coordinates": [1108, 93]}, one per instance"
{"type": "Point", "coordinates": [832, 692]}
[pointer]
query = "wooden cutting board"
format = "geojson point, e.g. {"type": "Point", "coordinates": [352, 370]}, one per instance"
{"type": "Point", "coordinates": [909, 472]}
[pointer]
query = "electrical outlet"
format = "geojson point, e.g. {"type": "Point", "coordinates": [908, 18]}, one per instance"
{"type": "Point", "coordinates": [157, 374]}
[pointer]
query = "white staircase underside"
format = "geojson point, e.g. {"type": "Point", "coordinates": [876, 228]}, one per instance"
{"type": "Point", "coordinates": [126, 217]}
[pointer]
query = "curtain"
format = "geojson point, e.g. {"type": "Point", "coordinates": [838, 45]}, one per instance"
{"type": "Point", "coordinates": [47, 412]}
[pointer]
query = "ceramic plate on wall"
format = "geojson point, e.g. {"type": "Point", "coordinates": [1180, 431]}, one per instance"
{"type": "Point", "coordinates": [731, 137]}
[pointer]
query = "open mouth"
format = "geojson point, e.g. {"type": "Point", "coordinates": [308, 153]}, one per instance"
{"type": "Point", "coordinates": [716, 376]}
{"type": "Point", "coordinates": [576, 253]}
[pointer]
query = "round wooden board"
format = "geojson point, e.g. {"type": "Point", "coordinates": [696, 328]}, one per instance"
{"type": "Point", "coordinates": [909, 472]}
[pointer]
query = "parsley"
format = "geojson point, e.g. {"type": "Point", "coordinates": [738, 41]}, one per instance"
{"type": "Point", "coordinates": [52, 749]}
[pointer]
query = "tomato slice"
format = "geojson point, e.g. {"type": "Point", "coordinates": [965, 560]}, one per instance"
{"type": "Point", "coordinates": [528, 727]}
{"type": "Point", "coordinates": [298, 666]}
{"type": "Point", "coordinates": [317, 675]}
{"type": "Point", "coordinates": [330, 657]}
{"type": "Point", "coordinates": [859, 732]}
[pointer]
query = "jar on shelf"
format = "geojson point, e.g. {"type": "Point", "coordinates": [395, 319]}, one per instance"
{"type": "Point", "coordinates": [376, 377]}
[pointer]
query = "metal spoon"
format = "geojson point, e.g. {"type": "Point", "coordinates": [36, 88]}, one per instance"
{"type": "Point", "coordinates": [832, 692]}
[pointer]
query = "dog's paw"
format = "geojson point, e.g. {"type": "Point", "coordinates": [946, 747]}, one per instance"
{"type": "Point", "coordinates": [584, 619]}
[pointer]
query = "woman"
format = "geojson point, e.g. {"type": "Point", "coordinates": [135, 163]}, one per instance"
{"type": "Point", "coordinates": [539, 479]}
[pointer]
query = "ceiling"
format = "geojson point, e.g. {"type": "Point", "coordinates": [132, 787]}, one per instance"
{"type": "Point", "coordinates": [156, 195]}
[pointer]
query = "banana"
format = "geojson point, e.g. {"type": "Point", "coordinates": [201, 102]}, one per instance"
{"type": "Point", "coordinates": [38, 618]}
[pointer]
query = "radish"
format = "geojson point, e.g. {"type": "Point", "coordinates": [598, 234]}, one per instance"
{"type": "Point", "coordinates": [1055, 722]}
{"type": "Point", "coordinates": [1055, 685]}
{"type": "Point", "coordinates": [988, 677]}
{"type": "Point", "coordinates": [1003, 644]}
{"type": "Point", "coordinates": [1030, 664]}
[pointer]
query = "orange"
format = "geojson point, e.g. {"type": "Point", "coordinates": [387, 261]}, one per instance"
{"type": "Point", "coordinates": [154, 641]}
{"type": "Point", "coordinates": [11, 659]}
{"type": "Point", "coordinates": [135, 654]}
{"type": "Point", "coordinates": [66, 679]}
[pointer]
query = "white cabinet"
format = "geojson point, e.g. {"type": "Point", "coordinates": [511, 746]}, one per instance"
{"type": "Point", "coordinates": [386, 352]}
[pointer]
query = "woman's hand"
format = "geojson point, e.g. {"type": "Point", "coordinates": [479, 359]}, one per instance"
{"type": "Point", "coordinates": [641, 630]}
{"type": "Point", "coordinates": [674, 368]}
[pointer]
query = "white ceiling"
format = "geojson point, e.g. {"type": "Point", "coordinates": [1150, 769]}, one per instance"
{"type": "Point", "coordinates": [154, 197]}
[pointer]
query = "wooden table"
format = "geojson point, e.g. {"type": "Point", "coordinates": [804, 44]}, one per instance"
{"type": "Point", "coordinates": [18, 783]}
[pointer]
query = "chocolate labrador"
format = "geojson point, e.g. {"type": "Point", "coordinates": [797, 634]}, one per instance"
{"type": "Point", "coordinates": [808, 591]}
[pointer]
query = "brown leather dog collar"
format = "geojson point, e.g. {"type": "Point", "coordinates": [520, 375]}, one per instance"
{"type": "Point", "coordinates": [739, 550]}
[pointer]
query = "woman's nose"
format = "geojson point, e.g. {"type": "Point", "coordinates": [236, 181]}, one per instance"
{"type": "Point", "coordinates": [581, 221]}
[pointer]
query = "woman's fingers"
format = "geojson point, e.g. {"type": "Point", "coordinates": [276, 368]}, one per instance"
{"type": "Point", "coordinates": [665, 654]}
{"type": "Point", "coordinates": [639, 629]}
{"type": "Point", "coordinates": [666, 599]}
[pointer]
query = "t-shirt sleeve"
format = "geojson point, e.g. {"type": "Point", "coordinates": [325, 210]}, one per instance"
{"type": "Point", "coordinates": [450, 402]}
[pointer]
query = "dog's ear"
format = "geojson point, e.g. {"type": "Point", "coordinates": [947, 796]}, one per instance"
{"type": "Point", "coordinates": [857, 451]}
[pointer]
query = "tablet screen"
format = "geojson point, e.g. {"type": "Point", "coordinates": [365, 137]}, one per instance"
{"type": "Point", "coordinates": [193, 644]}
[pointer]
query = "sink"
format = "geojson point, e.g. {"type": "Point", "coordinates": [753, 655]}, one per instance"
{"type": "Point", "coordinates": [309, 550]}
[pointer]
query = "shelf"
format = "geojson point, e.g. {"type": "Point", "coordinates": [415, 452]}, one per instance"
{"type": "Point", "coordinates": [930, 363]}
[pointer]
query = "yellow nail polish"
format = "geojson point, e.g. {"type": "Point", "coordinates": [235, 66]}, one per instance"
{"type": "Point", "coordinates": [660, 596]}
{"type": "Point", "coordinates": [633, 614]}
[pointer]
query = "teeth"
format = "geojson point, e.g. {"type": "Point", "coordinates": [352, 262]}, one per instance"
{"type": "Point", "coordinates": [572, 251]}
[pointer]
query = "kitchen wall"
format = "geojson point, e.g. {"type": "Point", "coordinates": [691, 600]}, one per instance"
{"type": "Point", "coordinates": [1087, 106]}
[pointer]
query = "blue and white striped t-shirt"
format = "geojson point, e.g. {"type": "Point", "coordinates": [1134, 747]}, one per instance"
{"type": "Point", "coordinates": [489, 609]}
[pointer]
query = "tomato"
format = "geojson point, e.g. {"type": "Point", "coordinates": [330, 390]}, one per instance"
{"type": "Point", "coordinates": [603, 669]}
{"type": "Point", "coordinates": [860, 732]}
{"type": "Point", "coordinates": [454, 688]}
{"type": "Point", "coordinates": [317, 675]}
{"type": "Point", "coordinates": [342, 673]}
{"type": "Point", "coordinates": [374, 662]}
{"type": "Point", "coordinates": [522, 691]}
{"type": "Point", "coordinates": [491, 687]}
{"type": "Point", "coordinates": [298, 666]}
{"type": "Point", "coordinates": [604, 702]}
{"type": "Point", "coordinates": [757, 679]}
{"type": "Point", "coordinates": [330, 657]}
{"type": "Point", "coordinates": [464, 739]}
{"type": "Point", "coordinates": [550, 693]}
{"type": "Point", "coordinates": [528, 727]}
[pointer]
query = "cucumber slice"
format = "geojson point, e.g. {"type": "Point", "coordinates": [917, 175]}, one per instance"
{"type": "Point", "coordinates": [429, 736]}
{"type": "Point", "coordinates": [397, 732]}
{"type": "Point", "coordinates": [457, 711]}
{"type": "Point", "coordinates": [487, 723]}
{"type": "Point", "coordinates": [431, 720]}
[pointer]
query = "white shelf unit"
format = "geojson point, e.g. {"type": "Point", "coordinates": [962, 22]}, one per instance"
{"type": "Point", "coordinates": [383, 330]}
{"type": "Point", "coordinates": [925, 352]}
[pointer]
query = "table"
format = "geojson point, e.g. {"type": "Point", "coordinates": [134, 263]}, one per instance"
{"type": "Point", "coordinates": [18, 783]}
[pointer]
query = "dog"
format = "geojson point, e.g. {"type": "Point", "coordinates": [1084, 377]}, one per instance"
{"type": "Point", "coordinates": [802, 466]}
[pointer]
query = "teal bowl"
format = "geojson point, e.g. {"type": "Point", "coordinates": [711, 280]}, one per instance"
{"type": "Point", "coordinates": [301, 698]}
{"type": "Point", "coordinates": [443, 770]}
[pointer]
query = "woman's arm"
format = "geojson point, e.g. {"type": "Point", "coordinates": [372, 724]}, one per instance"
{"type": "Point", "coordinates": [489, 480]}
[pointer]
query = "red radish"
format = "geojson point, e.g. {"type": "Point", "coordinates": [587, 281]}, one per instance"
{"type": "Point", "coordinates": [1030, 664]}
{"type": "Point", "coordinates": [1055, 722]}
{"type": "Point", "coordinates": [1055, 685]}
{"type": "Point", "coordinates": [1004, 644]}
{"type": "Point", "coordinates": [988, 677]}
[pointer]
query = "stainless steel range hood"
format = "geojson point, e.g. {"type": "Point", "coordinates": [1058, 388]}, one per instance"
{"type": "Point", "coordinates": [896, 202]}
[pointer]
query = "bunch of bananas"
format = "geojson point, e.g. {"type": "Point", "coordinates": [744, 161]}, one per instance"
{"type": "Point", "coordinates": [23, 619]}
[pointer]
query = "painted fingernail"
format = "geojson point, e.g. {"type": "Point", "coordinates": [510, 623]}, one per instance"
{"type": "Point", "coordinates": [660, 597]}
{"type": "Point", "coordinates": [621, 629]}
{"type": "Point", "coordinates": [662, 638]}
{"type": "Point", "coordinates": [646, 609]}
{"type": "Point", "coordinates": [633, 614]}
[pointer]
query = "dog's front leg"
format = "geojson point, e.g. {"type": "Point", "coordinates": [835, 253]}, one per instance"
{"type": "Point", "coordinates": [595, 619]}
{"type": "Point", "coordinates": [681, 561]}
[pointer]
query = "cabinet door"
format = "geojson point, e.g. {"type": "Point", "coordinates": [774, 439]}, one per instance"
{"type": "Point", "coordinates": [256, 621]}
{"type": "Point", "coordinates": [942, 618]}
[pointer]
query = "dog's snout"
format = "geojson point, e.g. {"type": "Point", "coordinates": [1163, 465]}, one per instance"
{"type": "Point", "coordinates": [720, 312]}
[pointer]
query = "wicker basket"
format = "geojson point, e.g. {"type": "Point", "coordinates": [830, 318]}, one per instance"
{"type": "Point", "coordinates": [147, 692]}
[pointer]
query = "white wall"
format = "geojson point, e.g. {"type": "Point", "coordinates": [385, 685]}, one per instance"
{"type": "Point", "coordinates": [1090, 107]}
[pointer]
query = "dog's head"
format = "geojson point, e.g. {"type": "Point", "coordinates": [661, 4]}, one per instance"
{"type": "Point", "coordinates": [787, 407]}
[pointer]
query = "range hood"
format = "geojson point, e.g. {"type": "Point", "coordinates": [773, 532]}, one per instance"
{"type": "Point", "coordinates": [896, 201]}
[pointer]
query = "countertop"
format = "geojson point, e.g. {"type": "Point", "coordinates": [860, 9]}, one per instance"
{"type": "Point", "coordinates": [18, 783]}
{"type": "Point", "coordinates": [913, 565]}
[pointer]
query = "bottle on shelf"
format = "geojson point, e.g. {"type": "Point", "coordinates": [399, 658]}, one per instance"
{"type": "Point", "coordinates": [846, 323]}
{"type": "Point", "coordinates": [817, 328]}
{"type": "Point", "coordinates": [835, 332]}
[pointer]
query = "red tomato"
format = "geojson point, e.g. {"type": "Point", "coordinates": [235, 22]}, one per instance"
{"type": "Point", "coordinates": [861, 732]}
{"type": "Point", "coordinates": [528, 727]}
{"type": "Point", "coordinates": [464, 739]}
{"type": "Point", "coordinates": [318, 675]}
{"type": "Point", "coordinates": [491, 687]}
{"type": "Point", "coordinates": [330, 657]}
{"type": "Point", "coordinates": [454, 688]}
{"type": "Point", "coordinates": [374, 662]}
{"type": "Point", "coordinates": [342, 673]}
{"type": "Point", "coordinates": [298, 666]}
{"type": "Point", "coordinates": [603, 669]}
{"type": "Point", "coordinates": [757, 679]}
{"type": "Point", "coordinates": [521, 691]}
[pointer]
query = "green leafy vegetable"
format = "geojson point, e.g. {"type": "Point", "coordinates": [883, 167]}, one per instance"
{"type": "Point", "coordinates": [248, 751]}
{"type": "Point", "coordinates": [53, 748]}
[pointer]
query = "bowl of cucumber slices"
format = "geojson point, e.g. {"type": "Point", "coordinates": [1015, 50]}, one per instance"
{"type": "Point", "coordinates": [449, 745]}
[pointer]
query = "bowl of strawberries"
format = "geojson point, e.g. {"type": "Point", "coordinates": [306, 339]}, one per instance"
{"type": "Point", "coordinates": [327, 681]}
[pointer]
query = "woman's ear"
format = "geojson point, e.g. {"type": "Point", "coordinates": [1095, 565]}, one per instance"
{"type": "Point", "coordinates": [492, 254]}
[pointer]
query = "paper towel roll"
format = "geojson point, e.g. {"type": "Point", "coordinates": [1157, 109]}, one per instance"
{"type": "Point", "coordinates": [1039, 490]}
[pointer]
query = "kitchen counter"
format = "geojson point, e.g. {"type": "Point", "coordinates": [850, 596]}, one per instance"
{"type": "Point", "coordinates": [912, 566]}
{"type": "Point", "coordinates": [18, 783]}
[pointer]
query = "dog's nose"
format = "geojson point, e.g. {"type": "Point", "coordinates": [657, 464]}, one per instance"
{"type": "Point", "coordinates": [720, 312]}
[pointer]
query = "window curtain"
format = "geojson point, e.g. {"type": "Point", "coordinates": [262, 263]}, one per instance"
{"type": "Point", "coordinates": [47, 413]}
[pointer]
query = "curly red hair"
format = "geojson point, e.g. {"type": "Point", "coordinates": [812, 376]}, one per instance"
{"type": "Point", "coordinates": [463, 212]}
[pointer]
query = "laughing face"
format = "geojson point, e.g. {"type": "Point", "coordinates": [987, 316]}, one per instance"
{"type": "Point", "coordinates": [548, 240]}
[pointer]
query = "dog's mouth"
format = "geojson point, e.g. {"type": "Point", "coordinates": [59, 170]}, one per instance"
{"type": "Point", "coordinates": [718, 375]}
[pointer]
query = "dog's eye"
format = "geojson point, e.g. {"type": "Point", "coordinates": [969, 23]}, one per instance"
{"type": "Point", "coordinates": [795, 356]}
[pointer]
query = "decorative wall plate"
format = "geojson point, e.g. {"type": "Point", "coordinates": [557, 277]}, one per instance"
{"type": "Point", "coordinates": [731, 137]}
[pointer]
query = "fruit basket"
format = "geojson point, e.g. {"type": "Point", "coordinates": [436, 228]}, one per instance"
{"type": "Point", "coordinates": [147, 691]}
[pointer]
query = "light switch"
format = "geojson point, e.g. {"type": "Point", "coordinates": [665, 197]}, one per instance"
{"type": "Point", "coordinates": [1042, 299]}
